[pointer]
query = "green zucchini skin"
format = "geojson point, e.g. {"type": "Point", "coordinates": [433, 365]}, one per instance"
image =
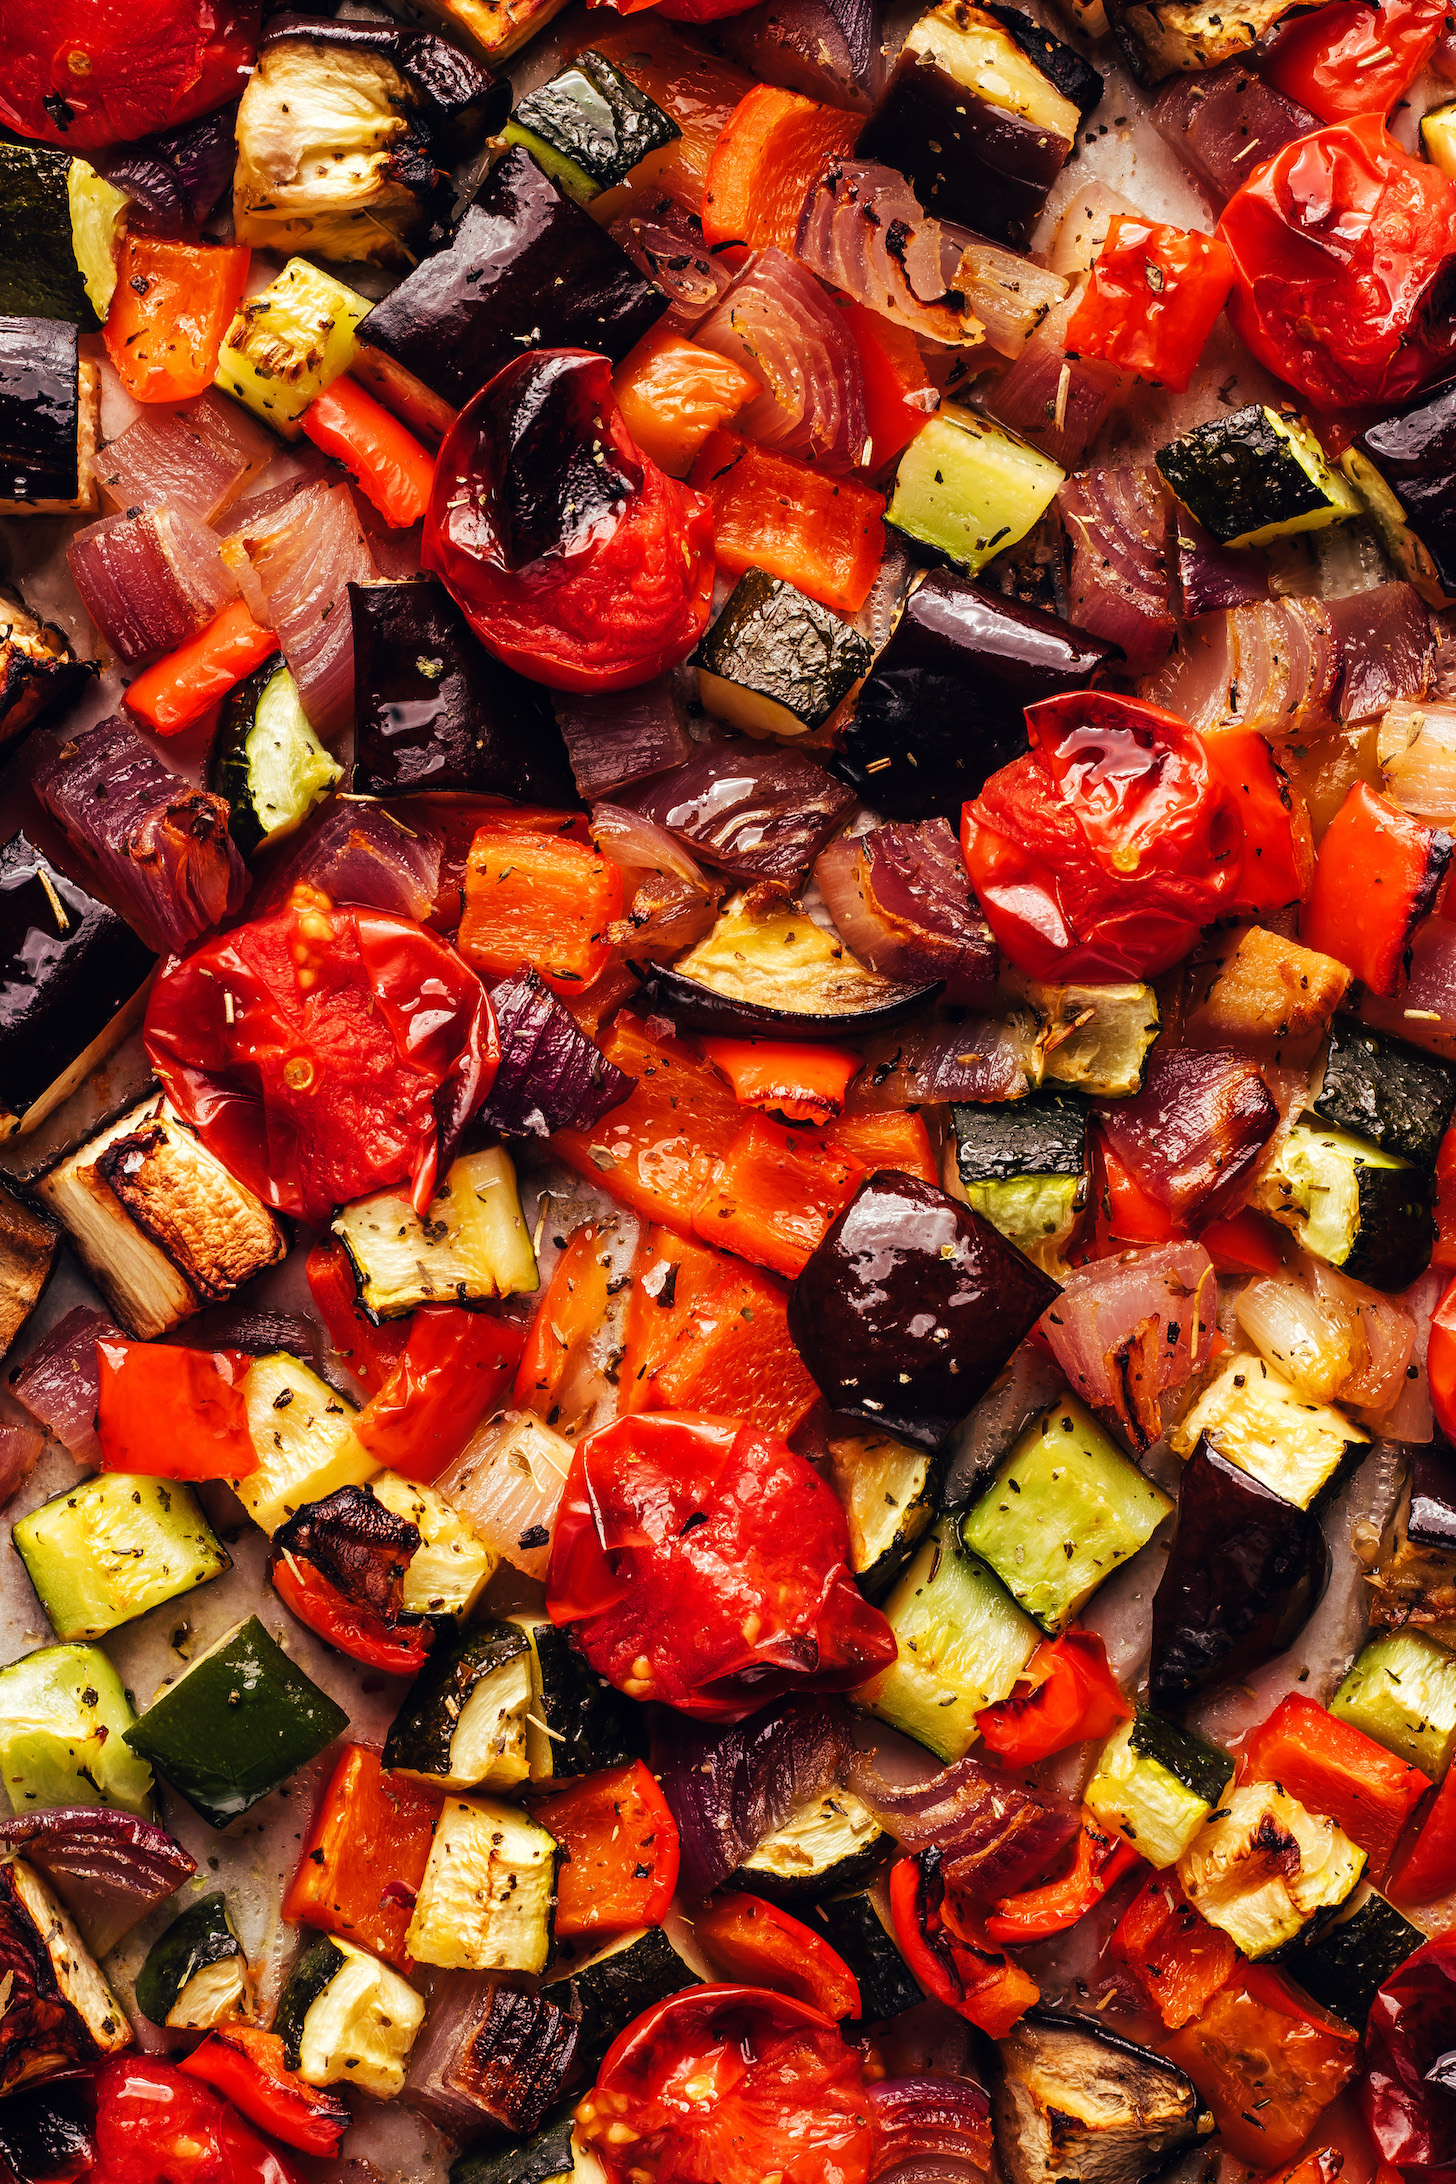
{"type": "Point", "coordinates": [1044, 1134]}
{"type": "Point", "coordinates": [594, 1725]}
{"type": "Point", "coordinates": [618, 1986]}
{"type": "Point", "coordinates": [39, 276]}
{"type": "Point", "coordinates": [423, 1730]}
{"type": "Point", "coordinates": [779, 657]}
{"type": "Point", "coordinates": [202, 1936]}
{"type": "Point", "coordinates": [233, 772]}
{"type": "Point", "coordinates": [1200, 1767]}
{"type": "Point", "coordinates": [594, 119]}
{"type": "Point", "coordinates": [1378, 1088]}
{"type": "Point", "coordinates": [845, 1864]}
{"type": "Point", "coordinates": [1252, 475]}
{"type": "Point", "coordinates": [545, 2158]}
{"type": "Point", "coordinates": [1344, 1965]}
{"type": "Point", "coordinates": [1397, 1228]}
{"type": "Point", "coordinates": [854, 1928]}
{"type": "Point", "coordinates": [320, 1963]}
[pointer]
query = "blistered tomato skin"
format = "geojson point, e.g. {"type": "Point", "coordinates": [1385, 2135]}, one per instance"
{"type": "Point", "coordinates": [88, 73]}
{"type": "Point", "coordinates": [574, 558]}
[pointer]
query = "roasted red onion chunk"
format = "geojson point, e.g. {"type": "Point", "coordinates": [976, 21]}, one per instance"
{"type": "Point", "coordinates": [1386, 649]}
{"type": "Point", "coordinates": [1210, 578]}
{"type": "Point", "coordinates": [730, 1787]}
{"type": "Point", "coordinates": [776, 321]}
{"type": "Point", "coordinates": [669, 903]}
{"type": "Point", "coordinates": [60, 1381]}
{"type": "Point", "coordinates": [900, 897]}
{"type": "Point", "coordinates": [1195, 1127]}
{"type": "Point", "coordinates": [173, 179]}
{"type": "Point", "coordinates": [1009, 294]}
{"type": "Point", "coordinates": [1268, 666]}
{"type": "Point", "coordinates": [302, 561]}
{"type": "Point", "coordinates": [1118, 587]}
{"type": "Point", "coordinates": [149, 581]}
{"type": "Point", "coordinates": [930, 2131]}
{"type": "Point", "coordinates": [1225, 122]}
{"type": "Point", "coordinates": [760, 813]}
{"type": "Point", "coordinates": [1056, 401]}
{"type": "Point", "coordinates": [109, 1868]}
{"type": "Point", "coordinates": [863, 230]}
{"type": "Point", "coordinates": [193, 455]}
{"type": "Point", "coordinates": [993, 1834]}
{"type": "Point", "coordinates": [666, 244]}
{"type": "Point", "coordinates": [1127, 1330]}
{"type": "Point", "coordinates": [829, 49]}
{"type": "Point", "coordinates": [616, 737]}
{"type": "Point", "coordinates": [161, 847]}
{"type": "Point", "coordinates": [551, 1075]}
{"type": "Point", "coordinates": [360, 853]}
{"type": "Point", "coordinates": [941, 1057]}
{"type": "Point", "coordinates": [1424, 1012]}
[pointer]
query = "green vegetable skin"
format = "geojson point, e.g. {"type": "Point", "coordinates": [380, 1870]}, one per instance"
{"type": "Point", "coordinates": [1402, 1692]}
{"type": "Point", "coordinates": [63, 1713]}
{"type": "Point", "coordinates": [236, 1725]}
{"type": "Point", "coordinates": [970, 490]}
{"type": "Point", "coordinates": [1255, 476]}
{"type": "Point", "coordinates": [268, 763]}
{"type": "Point", "coordinates": [589, 127]}
{"type": "Point", "coordinates": [39, 273]}
{"type": "Point", "coordinates": [114, 1547]}
{"type": "Point", "coordinates": [201, 1937]}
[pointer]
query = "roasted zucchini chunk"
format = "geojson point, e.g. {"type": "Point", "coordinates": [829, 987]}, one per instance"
{"type": "Point", "coordinates": [304, 1436]}
{"type": "Point", "coordinates": [63, 1718]}
{"type": "Point", "coordinates": [1023, 1165]}
{"type": "Point", "coordinates": [589, 126]}
{"type": "Point", "coordinates": [157, 1220]}
{"type": "Point", "coordinates": [1402, 1691]}
{"type": "Point", "coordinates": [968, 490]}
{"type": "Point", "coordinates": [832, 1844]}
{"type": "Point", "coordinates": [494, 28]}
{"type": "Point", "coordinates": [859, 1928]}
{"type": "Point", "coordinates": [450, 1568]}
{"type": "Point", "coordinates": [237, 1722]}
{"type": "Point", "coordinates": [1074, 2104]}
{"type": "Point", "coordinates": [113, 1547]}
{"type": "Point", "coordinates": [487, 1901]}
{"type": "Point", "coordinates": [1254, 476]}
{"type": "Point", "coordinates": [888, 1492]}
{"type": "Point", "coordinates": [59, 2010]}
{"type": "Point", "coordinates": [767, 969]}
{"type": "Point", "coordinates": [1414, 1582]}
{"type": "Point", "coordinates": [1262, 1866]}
{"type": "Point", "coordinates": [1064, 1509]}
{"type": "Point", "coordinates": [346, 2019]}
{"type": "Point", "coordinates": [472, 1245]}
{"type": "Point", "coordinates": [1360, 1209]}
{"type": "Point", "coordinates": [776, 663]}
{"type": "Point", "coordinates": [39, 273]}
{"type": "Point", "coordinates": [1344, 1963]}
{"type": "Point", "coordinates": [1094, 1039]}
{"type": "Point", "coordinates": [975, 122]}
{"type": "Point", "coordinates": [1258, 1421]}
{"type": "Point", "coordinates": [1386, 1092]}
{"type": "Point", "coordinates": [463, 1724]}
{"type": "Point", "coordinates": [289, 342]}
{"type": "Point", "coordinates": [267, 763]}
{"type": "Point", "coordinates": [1403, 470]}
{"type": "Point", "coordinates": [544, 2158]}
{"type": "Point", "coordinates": [1183, 37]}
{"type": "Point", "coordinates": [196, 1975]}
{"type": "Point", "coordinates": [50, 410]}
{"type": "Point", "coordinates": [576, 1722]}
{"type": "Point", "coordinates": [38, 670]}
{"type": "Point", "coordinates": [617, 1985]}
{"type": "Point", "coordinates": [963, 1642]}
{"type": "Point", "coordinates": [1157, 1785]}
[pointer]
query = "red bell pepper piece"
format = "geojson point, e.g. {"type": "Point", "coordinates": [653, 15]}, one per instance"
{"type": "Point", "coordinates": [771, 148]}
{"type": "Point", "coordinates": [825, 535]}
{"type": "Point", "coordinates": [951, 1962]}
{"type": "Point", "coordinates": [1151, 299]}
{"type": "Point", "coordinates": [371, 1353]}
{"type": "Point", "coordinates": [1122, 1212]}
{"type": "Point", "coordinates": [1278, 839]}
{"type": "Point", "coordinates": [749, 1940]}
{"type": "Point", "coordinates": [173, 1413]}
{"type": "Point", "coordinates": [621, 1840]}
{"type": "Point", "coordinates": [398, 1649]}
{"type": "Point", "coordinates": [174, 693]}
{"type": "Point", "coordinates": [1245, 1243]}
{"type": "Point", "coordinates": [1354, 58]}
{"type": "Point", "coordinates": [152, 2123]}
{"type": "Point", "coordinates": [775, 1195]}
{"type": "Point", "coordinates": [455, 1369]}
{"type": "Point", "coordinates": [794, 1083]}
{"type": "Point", "coordinates": [555, 1376]}
{"type": "Point", "coordinates": [899, 392]}
{"type": "Point", "coordinates": [173, 304]}
{"type": "Point", "coordinates": [1071, 1697]}
{"type": "Point", "coordinates": [1441, 1360]}
{"type": "Point", "coordinates": [1317, 2168]}
{"type": "Point", "coordinates": [390, 465]}
{"type": "Point", "coordinates": [1334, 1768]}
{"type": "Point", "coordinates": [1444, 1254]}
{"type": "Point", "coordinates": [364, 1856]}
{"type": "Point", "coordinates": [893, 1139]}
{"type": "Point", "coordinates": [658, 1150]}
{"type": "Point", "coordinates": [1268, 2062]}
{"type": "Point", "coordinates": [1176, 1957]}
{"type": "Point", "coordinates": [245, 2064]}
{"type": "Point", "coordinates": [1430, 1870]}
{"type": "Point", "coordinates": [1377, 875]}
{"type": "Point", "coordinates": [1099, 1861]}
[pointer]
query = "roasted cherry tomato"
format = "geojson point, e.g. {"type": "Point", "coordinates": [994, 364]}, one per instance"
{"type": "Point", "coordinates": [1338, 245]}
{"type": "Point", "coordinates": [1151, 299]}
{"type": "Point", "coordinates": [1104, 851]}
{"type": "Point", "coordinates": [87, 73]}
{"type": "Point", "coordinates": [574, 557]}
{"type": "Point", "coordinates": [1412, 2031]}
{"type": "Point", "coordinates": [173, 1413]}
{"type": "Point", "coordinates": [729, 2085]}
{"type": "Point", "coordinates": [1353, 58]}
{"type": "Point", "coordinates": [954, 1963]}
{"type": "Point", "coordinates": [1073, 1698]}
{"type": "Point", "coordinates": [153, 2126]}
{"type": "Point", "coordinates": [705, 1564]}
{"type": "Point", "coordinates": [457, 1366]}
{"type": "Point", "coordinates": [323, 1053]}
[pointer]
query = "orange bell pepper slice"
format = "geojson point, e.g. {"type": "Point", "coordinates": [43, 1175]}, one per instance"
{"type": "Point", "coordinates": [825, 535]}
{"type": "Point", "coordinates": [176, 691]}
{"type": "Point", "coordinates": [773, 145]}
{"type": "Point", "coordinates": [173, 304]}
{"type": "Point", "coordinates": [797, 1083]}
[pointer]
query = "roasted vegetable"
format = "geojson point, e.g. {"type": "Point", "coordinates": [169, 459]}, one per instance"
{"type": "Point", "coordinates": [473, 1246]}
{"type": "Point", "coordinates": [617, 1985]}
{"type": "Point", "coordinates": [38, 670]}
{"type": "Point", "coordinates": [1157, 1784]}
{"type": "Point", "coordinates": [1386, 1092]}
{"type": "Point", "coordinates": [1074, 2104]}
{"type": "Point", "coordinates": [463, 1725]}
{"type": "Point", "coordinates": [1402, 1692]}
{"type": "Point", "coordinates": [963, 1642]}
{"type": "Point", "coordinates": [267, 762]}
{"type": "Point", "coordinates": [776, 663]}
{"type": "Point", "coordinates": [969, 491]}
{"type": "Point", "coordinates": [196, 1974]}
{"type": "Point", "coordinates": [63, 1715]}
{"type": "Point", "coordinates": [40, 274]}
{"type": "Point", "coordinates": [1023, 1166]}
{"type": "Point", "coordinates": [106, 1551]}
{"type": "Point", "coordinates": [821, 1850]}
{"type": "Point", "coordinates": [1344, 1964]}
{"type": "Point", "coordinates": [889, 1494]}
{"type": "Point", "coordinates": [487, 1901]}
{"type": "Point", "coordinates": [864, 1936]}
{"type": "Point", "coordinates": [1258, 1421]}
{"type": "Point", "coordinates": [289, 342]}
{"type": "Point", "coordinates": [49, 414]}
{"type": "Point", "coordinates": [1254, 476]}
{"type": "Point", "coordinates": [575, 1723]}
{"type": "Point", "coordinates": [1262, 1866]}
{"type": "Point", "coordinates": [493, 2056]}
{"type": "Point", "coordinates": [589, 126]}
{"type": "Point", "coordinates": [1402, 470]}
{"type": "Point", "coordinates": [303, 1434]}
{"type": "Point", "coordinates": [1362, 1209]}
{"type": "Point", "coordinates": [1414, 1581]}
{"type": "Point", "coordinates": [346, 2019]}
{"type": "Point", "coordinates": [1162, 37]}
{"type": "Point", "coordinates": [28, 1250]}
{"type": "Point", "coordinates": [60, 2011]}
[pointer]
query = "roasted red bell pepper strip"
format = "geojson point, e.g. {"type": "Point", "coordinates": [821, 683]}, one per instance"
{"type": "Point", "coordinates": [775, 1195]}
{"type": "Point", "coordinates": [1071, 1697]}
{"type": "Point", "coordinates": [1151, 299]}
{"type": "Point", "coordinates": [899, 392]}
{"type": "Point", "coordinates": [977, 1981]}
{"type": "Point", "coordinates": [621, 1840]}
{"type": "Point", "coordinates": [174, 693]}
{"type": "Point", "coordinates": [1176, 1957]}
{"type": "Point", "coordinates": [173, 304]}
{"type": "Point", "coordinates": [1441, 1360]}
{"type": "Point", "coordinates": [371, 1353]}
{"type": "Point", "coordinates": [173, 1413]}
{"type": "Point", "coordinates": [1268, 2062]}
{"type": "Point", "coordinates": [539, 899]}
{"type": "Point", "coordinates": [825, 535]}
{"type": "Point", "coordinates": [658, 1149]}
{"type": "Point", "coordinates": [152, 2123]}
{"type": "Point", "coordinates": [245, 2064]}
{"type": "Point", "coordinates": [766, 157]}
{"type": "Point", "coordinates": [1353, 58]}
{"type": "Point", "coordinates": [1245, 1243]}
{"type": "Point", "coordinates": [1278, 863]}
{"type": "Point", "coordinates": [1122, 1212]}
{"type": "Point", "coordinates": [1335, 1769]}
{"type": "Point", "coordinates": [389, 464]}
{"type": "Point", "coordinates": [364, 1856]}
{"type": "Point", "coordinates": [753, 1941]}
{"type": "Point", "coordinates": [397, 1649]}
{"type": "Point", "coordinates": [556, 1367]}
{"type": "Point", "coordinates": [1317, 2168]}
{"type": "Point", "coordinates": [1099, 1861]}
{"type": "Point", "coordinates": [456, 1368]}
{"type": "Point", "coordinates": [794, 1083]}
{"type": "Point", "coordinates": [1429, 1872]}
{"type": "Point", "coordinates": [1377, 875]}
{"type": "Point", "coordinates": [889, 1140]}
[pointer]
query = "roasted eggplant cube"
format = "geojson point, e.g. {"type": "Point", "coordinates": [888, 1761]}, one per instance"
{"type": "Point", "coordinates": [1244, 1575]}
{"type": "Point", "coordinates": [346, 2019]}
{"type": "Point", "coordinates": [1404, 470]}
{"type": "Point", "coordinates": [60, 2012]}
{"type": "Point", "coordinates": [902, 1256]}
{"type": "Point", "coordinates": [1255, 476]}
{"type": "Point", "coordinates": [616, 1986]}
{"type": "Point", "coordinates": [1156, 1785]}
{"type": "Point", "coordinates": [524, 256]}
{"type": "Point", "coordinates": [943, 707]}
{"type": "Point", "coordinates": [160, 1224]}
{"type": "Point", "coordinates": [463, 1725]}
{"type": "Point", "coordinates": [1256, 1419]}
{"type": "Point", "coordinates": [63, 1716]}
{"type": "Point", "coordinates": [1402, 1691]}
{"type": "Point", "coordinates": [196, 1974]}
{"type": "Point", "coordinates": [1065, 1508]}
{"type": "Point", "coordinates": [237, 1723]}
{"type": "Point", "coordinates": [50, 401]}
{"type": "Point", "coordinates": [589, 126]}
{"type": "Point", "coordinates": [434, 711]}
{"type": "Point", "coordinates": [1075, 2104]}
{"type": "Point", "coordinates": [452, 99]}
{"type": "Point", "coordinates": [967, 490]}
{"type": "Point", "coordinates": [113, 1547]}
{"type": "Point", "coordinates": [976, 125]}
{"type": "Point", "coordinates": [1414, 1581]}
{"type": "Point", "coordinates": [38, 670]}
{"type": "Point", "coordinates": [776, 663]}
{"type": "Point", "coordinates": [1023, 1166]}
{"type": "Point", "coordinates": [39, 276]}
{"type": "Point", "coordinates": [863, 1936]}
{"type": "Point", "coordinates": [963, 1642]}
{"type": "Point", "coordinates": [1387, 1092]}
{"type": "Point", "coordinates": [1351, 1204]}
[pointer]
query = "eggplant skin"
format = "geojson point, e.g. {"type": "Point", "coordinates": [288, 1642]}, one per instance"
{"type": "Point", "coordinates": [944, 702]}
{"type": "Point", "coordinates": [433, 710]}
{"type": "Point", "coordinates": [460, 101]}
{"type": "Point", "coordinates": [996, 168]}
{"type": "Point", "coordinates": [903, 1255]}
{"type": "Point", "coordinates": [524, 255]}
{"type": "Point", "coordinates": [38, 669]}
{"type": "Point", "coordinates": [1246, 1571]}
{"type": "Point", "coordinates": [1416, 456]}
{"type": "Point", "coordinates": [1072, 2103]}
{"type": "Point", "coordinates": [40, 410]}
{"type": "Point", "coordinates": [695, 1007]}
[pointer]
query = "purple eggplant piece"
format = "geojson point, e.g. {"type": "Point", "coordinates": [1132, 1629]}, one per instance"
{"type": "Point", "coordinates": [1415, 454]}
{"type": "Point", "coordinates": [433, 710]}
{"type": "Point", "coordinates": [1245, 1574]}
{"type": "Point", "coordinates": [175, 178]}
{"type": "Point", "coordinates": [39, 409]}
{"type": "Point", "coordinates": [829, 50]}
{"type": "Point", "coordinates": [968, 161]}
{"type": "Point", "coordinates": [904, 1258]}
{"type": "Point", "coordinates": [944, 701]}
{"type": "Point", "coordinates": [731, 1785]}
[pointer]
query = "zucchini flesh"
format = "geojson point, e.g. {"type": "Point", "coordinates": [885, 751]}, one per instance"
{"type": "Point", "coordinates": [1022, 1167]}
{"type": "Point", "coordinates": [1262, 1866]}
{"type": "Point", "coordinates": [347, 2019]}
{"type": "Point", "coordinates": [1255, 476]}
{"type": "Point", "coordinates": [1062, 1512]}
{"type": "Point", "coordinates": [963, 1642]}
{"type": "Point", "coordinates": [114, 1547]}
{"type": "Point", "coordinates": [577, 1723]}
{"type": "Point", "coordinates": [827, 1846]}
{"type": "Point", "coordinates": [1091, 1037]}
{"type": "Point", "coordinates": [1138, 1794]}
{"type": "Point", "coordinates": [63, 1717]}
{"type": "Point", "coordinates": [776, 663]}
{"type": "Point", "coordinates": [473, 1244]}
{"type": "Point", "coordinates": [288, 343]}
{"type": "Point", "coordinates": [1401, 1691]}
{"type": "Point", "coordinates": [888, 1492]}
{"type": "Point", "coordinates": [450, 1568]}
{"type": "Point", "coordinates": [1260, 1422]}
{"type": "Point", "coordinates": [463, 1724]}
{"type": "Point", "coordinates": [98, 220]}
{"type": "Point", "coordinates": [969, 490]}
{"type": "Point", "coordinates": [1351, 1204]}
{"type": "Point", "coordinates": [305, 1439]}
{"type": "Point", "coordinates": [268, 764]}
{"type": "Point", "coordinates": [196, 1974]}
{"type": "Point", "coordinates": [487, 1900]}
